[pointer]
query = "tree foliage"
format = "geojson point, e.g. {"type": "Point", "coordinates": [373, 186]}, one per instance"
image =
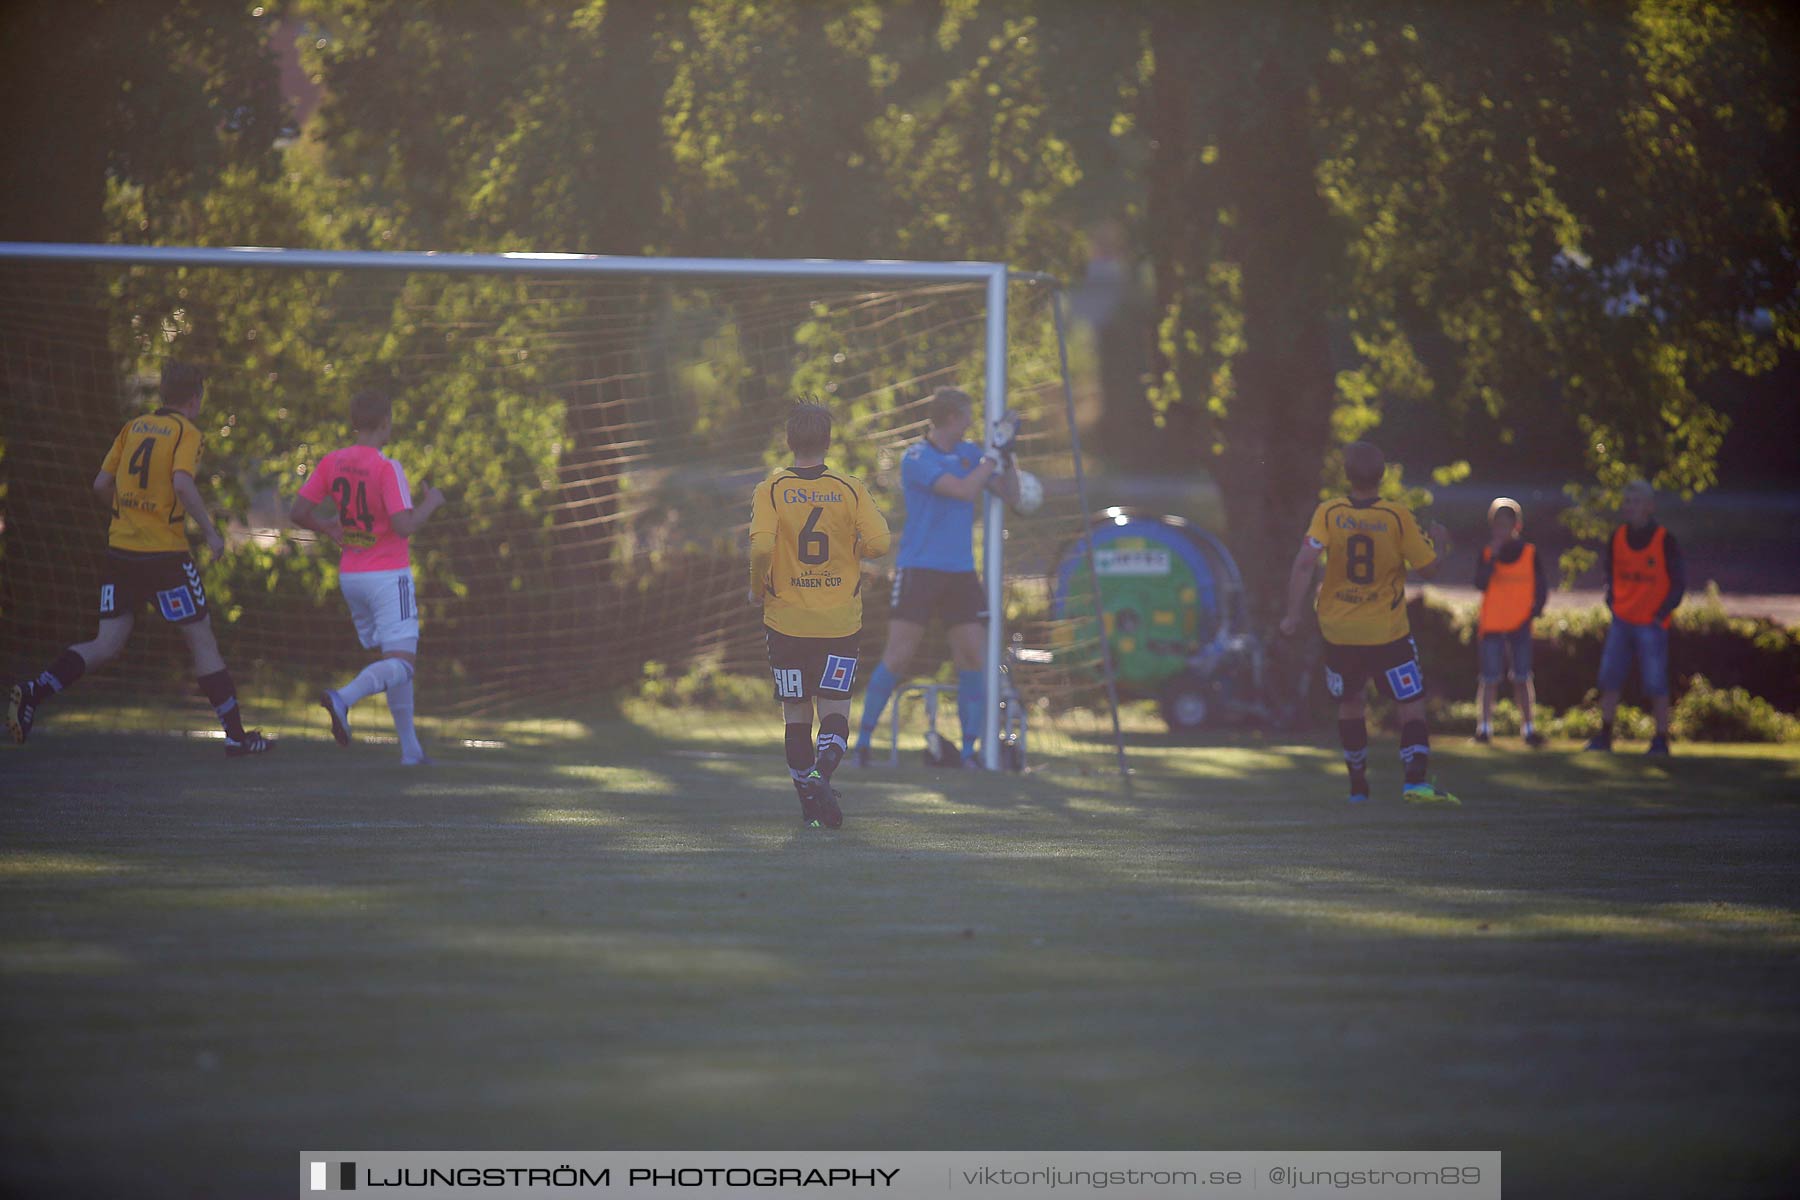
{"type": "Point", "coordinates": [1522, 213]}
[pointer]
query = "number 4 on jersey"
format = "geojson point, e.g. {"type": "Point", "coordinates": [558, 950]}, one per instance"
{"type": "Point", "coordinates": [140, 461]}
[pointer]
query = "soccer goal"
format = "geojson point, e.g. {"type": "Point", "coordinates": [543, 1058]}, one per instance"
{"type": "Point", "coordinates": [598, 424]}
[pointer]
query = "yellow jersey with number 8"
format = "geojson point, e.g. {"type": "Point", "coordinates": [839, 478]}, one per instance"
{"type": "Point", "coordinates": [147, 517]}
{"type": "Point", "coordinates": [1369, 545]}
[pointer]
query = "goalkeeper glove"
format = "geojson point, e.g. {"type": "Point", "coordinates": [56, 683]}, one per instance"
{"type": "Point", "coordinates": [1006, 432]}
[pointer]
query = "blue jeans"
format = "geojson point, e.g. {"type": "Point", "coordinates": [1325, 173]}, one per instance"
{"type": "Point", "coordinates": [1648, 645]}
{"type": "Point", "coordinates": [1496, 648]}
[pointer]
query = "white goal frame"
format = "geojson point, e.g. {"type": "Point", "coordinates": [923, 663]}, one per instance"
{"type": "Point", "coordinates": [995, 275]}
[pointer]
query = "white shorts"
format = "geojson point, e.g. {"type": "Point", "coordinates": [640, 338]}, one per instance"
{"type": "Point", "coordinates": [384, 607]}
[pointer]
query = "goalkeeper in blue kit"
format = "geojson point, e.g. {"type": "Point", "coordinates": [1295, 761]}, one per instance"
{"type": "Point", "coordinates": [944, 476]}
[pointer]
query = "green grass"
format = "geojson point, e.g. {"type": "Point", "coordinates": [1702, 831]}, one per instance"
{"type": "Point", "coordinates": [624, 941]}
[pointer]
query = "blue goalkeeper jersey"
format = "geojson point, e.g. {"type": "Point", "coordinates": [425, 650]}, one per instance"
{"type": "Point", "coordinates": [939, 534]}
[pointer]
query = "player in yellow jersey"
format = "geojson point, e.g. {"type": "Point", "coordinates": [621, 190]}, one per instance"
{"type": "Point", "coordinates": [148, 477]}
{"type": "Point", "coordinates": [810, 529]}
{"type": "Point", "coordinates": [1367, 544]}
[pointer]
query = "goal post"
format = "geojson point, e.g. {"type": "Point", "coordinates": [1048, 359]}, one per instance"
{"type": "Point", "coordinates": [618, 360]}
{"type": "Point", "coordinates": [994, 520]}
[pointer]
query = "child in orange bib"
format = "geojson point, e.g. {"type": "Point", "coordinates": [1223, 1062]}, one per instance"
{"type": "Point", "coordinates": [1645, 580]}
{"type": "Point", "coordinates": [1510, 578]}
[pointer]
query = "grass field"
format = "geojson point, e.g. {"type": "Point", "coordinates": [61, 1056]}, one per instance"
{"type": "Point", "coordinates": [625, 941]}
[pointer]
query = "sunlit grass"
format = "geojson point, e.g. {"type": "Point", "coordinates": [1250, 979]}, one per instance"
{"type": "Point", "coordinates": [614, 779]}
{"type": "Point", "coordinates": [60, 958]}
{"type": "Point", "coordinates": [284, 897]}
{"type": "Point", "coordinates": [1778, 931]}
{"type": "Point", "coordinates": [17, 864]}
{"type": "Point", "coordinates": [685, 959]}
{"type": "Point", "coordinates": [576, 816]}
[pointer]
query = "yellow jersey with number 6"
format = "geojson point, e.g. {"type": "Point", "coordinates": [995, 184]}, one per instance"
{"type": "Point", "coordinates": [146, 516]}
{"type": "Point", "coordinates": [1369, 545]}
{"type": "Point", "coordinates": [810, 529]}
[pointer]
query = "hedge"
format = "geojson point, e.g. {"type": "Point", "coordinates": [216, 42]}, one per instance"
{"type": "Point", "coordinates": [1706, 645]}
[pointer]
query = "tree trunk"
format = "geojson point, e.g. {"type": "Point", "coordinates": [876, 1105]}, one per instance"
{"type": "Point", "coordinates": [1278, 425]}
{"type": "Point", "coordinates": [58, 386]}
{"type": "Point", "coordinates": [1256, 205]}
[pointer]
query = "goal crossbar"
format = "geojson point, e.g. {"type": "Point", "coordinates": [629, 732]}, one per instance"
{"type": "Point", "coordinates": [519, 262]}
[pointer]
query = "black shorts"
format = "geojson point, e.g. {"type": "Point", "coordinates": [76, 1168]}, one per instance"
{"type": "Point", "coordinates": [171, 580]}
{"type": "Point", "coordinates": [806, 667]}
{"type": "Point", "coordinates": [1394, 668]}
{"type": "Point", "coordinates": [920, 594]}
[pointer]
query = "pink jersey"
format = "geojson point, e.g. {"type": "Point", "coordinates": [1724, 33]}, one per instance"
{"type": "Point", "coordinates": [369, 488]}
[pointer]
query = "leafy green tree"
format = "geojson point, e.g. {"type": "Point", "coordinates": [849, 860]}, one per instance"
{"type": "Point", "coordinates": [163, 100]}
{"type": "Point", "coordinates": [472, 126]}
{"type": "Point", "coordinates": [1587, 204]}
{"type": "Point", "coordinates": [103, 99]}
{"type": "Point", "coordinates": [1525, 215]}
{"type": "Point", "coordinates": [1601, 208]}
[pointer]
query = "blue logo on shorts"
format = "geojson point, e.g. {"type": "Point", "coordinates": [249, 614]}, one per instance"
{"type": "Point", "coordinates": [839, 671]}
{"type": "Point", "coordinates": [177, 604]}
{"type": "Point", "coordinates": [1406, 680]}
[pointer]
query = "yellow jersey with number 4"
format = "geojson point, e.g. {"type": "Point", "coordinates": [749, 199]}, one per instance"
{"type": "Point", "coordinates": [810, 529]}
{"type": "Point", "coordinates": [147, 518]}
{"type": "Point", "coordinates": [1369, 545]}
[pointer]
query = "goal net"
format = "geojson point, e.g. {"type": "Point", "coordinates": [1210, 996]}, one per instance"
{"type": "Point", "coordinates": [598, 433]}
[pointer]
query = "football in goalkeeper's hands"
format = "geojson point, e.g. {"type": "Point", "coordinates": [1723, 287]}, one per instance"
{"type": "Point", "coordinates": [1031, 494]}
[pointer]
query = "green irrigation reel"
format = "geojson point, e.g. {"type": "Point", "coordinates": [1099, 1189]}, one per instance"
{"type": "Point", "coordinates": [1176, 620]}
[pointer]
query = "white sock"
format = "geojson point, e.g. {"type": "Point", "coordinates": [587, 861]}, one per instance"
{"type": "Point", "coordinates": [378, 676]}
{"type": "Point", "coordinates": [1527, 730]}
{"type": "Point", "coordinates": [400, 707]}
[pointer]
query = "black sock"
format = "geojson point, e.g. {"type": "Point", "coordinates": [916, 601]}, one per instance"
{"type": "Point", "coordinates": [1355, 737]}
{"type": "Point", "coordinates": [799, 748]}
{"type": "Point", "coordinates": [1415, 750]}
{"type": "Point", "coordinates": [221, 693]}
{"type": "Point", "coordinates": [68, 667]}
{"type": "Point", "coordinates": [800, 759]}
{"type": "Point", "coordinates": [834, 735]}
